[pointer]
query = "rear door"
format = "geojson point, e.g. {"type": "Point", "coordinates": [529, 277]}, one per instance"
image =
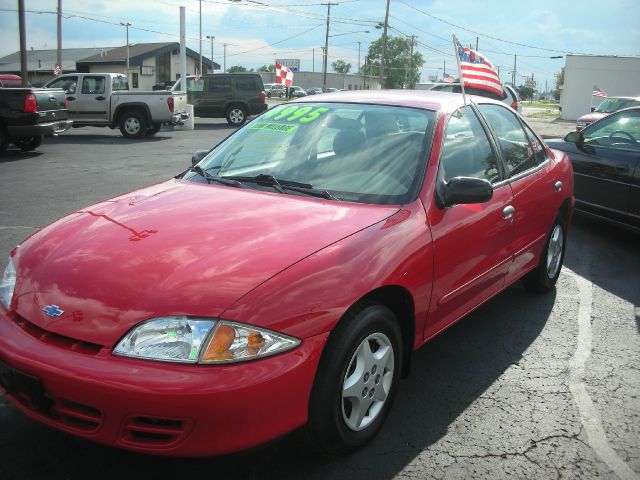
{"type": "Point", "coordinates": [217, 93]}
{"type": "Point", "coordinates": [92, 100]}
{"type": "Point", "coordinates": [68, 83]}
{"type": "Point", "coordinates": [527, 170]}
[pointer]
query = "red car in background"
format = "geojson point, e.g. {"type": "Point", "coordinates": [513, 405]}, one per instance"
{"type": "Point", "coordinates": [284, 280]}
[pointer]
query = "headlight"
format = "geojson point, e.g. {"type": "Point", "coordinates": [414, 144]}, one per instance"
{"type": "Point", "coordinates": [7, 284]}
{"type": "Point", "coordinates": [196, 340]}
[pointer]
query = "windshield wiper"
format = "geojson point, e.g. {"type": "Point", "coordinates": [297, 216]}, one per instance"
{"type": "Point", "coordinates": [281, 185]}
{"type": "Point", "coordinates": [210, 178]}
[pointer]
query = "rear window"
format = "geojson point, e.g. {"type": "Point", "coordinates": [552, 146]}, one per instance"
{"type": "Point", "coordinates": [119, 84]}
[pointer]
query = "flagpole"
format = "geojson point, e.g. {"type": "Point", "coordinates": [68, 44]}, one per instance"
{"type": "Point", "coordinates": [455, 46]}
{"type": "Point", "coordinates": [591, 107]}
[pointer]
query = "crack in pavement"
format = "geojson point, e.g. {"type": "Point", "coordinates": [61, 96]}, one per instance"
{"type": "Point", "coordinates": [588, 412]}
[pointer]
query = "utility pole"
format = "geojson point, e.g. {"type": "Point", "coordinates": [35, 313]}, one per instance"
{"type": "Point", "coordinates": [477, 43]}
{"type": "Point", "coordinates": [211, 37]}
{"type": "Point", "coordinates": [513, 74]}
{"type": "Point", "coordinates": [384, 44]}
{"type": "Point", "coordinates": [225, 58]}
{"type": "Point", "coordinates": [22, 27]}
{"type": "Point", "coordinates": [326, 45]}
{"type": "Point", "coordinates": [313, 61]}
{"type": "Point", "coordinates": [200, 38]}
{"type": "Point", "coordinates": [127, 25]}
{"type": "Point", "coordinates": [59, 51]}
{"type": "Point", "coordinates": [413, 42]}
{"type": "Point", "coordinates": [359, 56]}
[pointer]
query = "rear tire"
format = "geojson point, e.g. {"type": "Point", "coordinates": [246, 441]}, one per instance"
{"type": "Point", "coordinates": [544, 277]}
{"type": "Point", "coordinates": [236, 115]}
{"type": "Point", "coordinates": [356, 380]}
{"type": "Point", "coordinates": [26, 144]}
{"type": "Point", "coordinates": [4, 140]}
{"type": "Point", "coordinates": [132, 125]}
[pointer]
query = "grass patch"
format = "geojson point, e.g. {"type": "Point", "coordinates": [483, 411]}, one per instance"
{"type": "Point", "coordinates": [543, 114]}
{"type": "Point", "coordinates": [550, 106]}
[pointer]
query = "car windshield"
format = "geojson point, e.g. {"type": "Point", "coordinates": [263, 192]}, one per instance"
{"type": "Point", "coordinates": [360, 153]}
{"type": "Point", "coordinates": [614, 104]}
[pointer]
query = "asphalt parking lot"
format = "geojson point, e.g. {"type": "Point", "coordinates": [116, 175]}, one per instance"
{"type": "Point", "coordinates": [526, 387]}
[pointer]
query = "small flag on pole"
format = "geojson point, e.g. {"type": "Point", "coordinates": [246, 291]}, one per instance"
{"type": "Point", "coordinates": [597, 92]}
{"type": "Point", "coordinates": [197, 74]}
{"type": "Point", "coordinates": [57, 70]}
{"type": "Point", "coordinates": [284, 75]}
{"type": "Point", "coordinates": [448, 78]}
{"type": "Point", "coordinates": [476, 70]}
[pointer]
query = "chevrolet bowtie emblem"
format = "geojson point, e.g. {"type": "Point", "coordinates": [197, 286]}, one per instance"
{"type": "Point", "coordinates": [53, 310]}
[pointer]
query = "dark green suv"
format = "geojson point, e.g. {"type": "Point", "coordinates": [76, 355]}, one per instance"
{"type": "Point", "coordinates": [233, 96]}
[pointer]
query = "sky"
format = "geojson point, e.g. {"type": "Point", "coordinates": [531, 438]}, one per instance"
{"type": "Point", "coordinates": [256, 32]}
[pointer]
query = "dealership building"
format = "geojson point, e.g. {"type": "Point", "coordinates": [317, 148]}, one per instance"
{"type": "Point", "coordinates": [617, 76]}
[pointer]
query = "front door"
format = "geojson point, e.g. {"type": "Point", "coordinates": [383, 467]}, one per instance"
{"type": "Point", "coordinates": [92, 103]}
{"type": "Point", "coordinates": [472, 243]}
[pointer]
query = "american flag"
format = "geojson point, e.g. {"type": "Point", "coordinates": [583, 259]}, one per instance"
{"type": "Point", "coordinates": [284, 75]}
{"type": "Point", "coordinates": [57, 70]}
{"type": "Point", "coordinates": [476, 70]}
{"type": "Point", "coordinates": [197, 75]}
{"type": "Point", "coordinates": [598, 93]}
{"type": "Point", "coordinates": [448, 78]}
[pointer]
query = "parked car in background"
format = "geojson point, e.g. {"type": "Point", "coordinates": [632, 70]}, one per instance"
{"type": "Point", "coordinates": [275, 90]}
{"type": "Point", "coordinates": [27, 114]}
{"type": "Point", "coordinates": [104, 100]}
{"type": "Point", "coordinates": [314, 90]}
{"type": "Point", "coordinates": [330, 90]}
{"type": "Point", "coordinates": [297, 92]}
{"type": "Point", "coordinates": [607, 106]}
{"type": "Point", "coordinates": [234, 96]}
{"type": "Point", "coordinates": [10, 81]}
{"type": "Point", "coordinates": [284, 280]}
{"type": "Point", "coordinates": [606, 165]}
{"type": "Point", "coordinates": [509, 95]}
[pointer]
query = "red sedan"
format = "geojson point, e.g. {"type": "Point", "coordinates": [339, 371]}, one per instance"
{"type": "Point", "coordinates": [284, 280]}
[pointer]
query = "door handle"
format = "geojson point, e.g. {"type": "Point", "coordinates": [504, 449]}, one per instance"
{"type": "Point", "coordinates": [100, 98]}
{"type": "Point", "coordinates": [508, 211]}
{"type": "Point", "coordinates": [622, 168]}
{"type": "Point", "coordinates": [558, 186]}
{"type": "Point", "coordinates": [71, 99]}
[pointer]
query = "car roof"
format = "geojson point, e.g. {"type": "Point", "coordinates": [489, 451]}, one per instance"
{"type": "Point", "coordinates": [622, 98]}
{"type": "Point", "coordinates": [425, 99]}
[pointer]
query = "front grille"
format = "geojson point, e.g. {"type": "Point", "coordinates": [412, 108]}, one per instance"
{"type": "Point", "coordinates": [56, 339]}
{"type": "Point", "coordinates": [154, 432]}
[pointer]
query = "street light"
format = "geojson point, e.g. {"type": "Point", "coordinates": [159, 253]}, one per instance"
{"type": "Point", "coordinates": [325, 50]}
{"type": "Point", "coordinates": [127, 25]}
{"type": "Point", "coordinates": [348, 33]}
{"type": "Point", "coordinates": [211, 37]}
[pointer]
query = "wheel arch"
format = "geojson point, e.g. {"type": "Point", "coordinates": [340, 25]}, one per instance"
{"type": "Point", "coordinates": [400, 301]}
{"type": "Point", "coordinates": [141, 108]}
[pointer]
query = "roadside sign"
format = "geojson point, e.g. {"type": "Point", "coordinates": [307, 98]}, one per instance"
{"type": "Point", "coordinates": [292, 64]}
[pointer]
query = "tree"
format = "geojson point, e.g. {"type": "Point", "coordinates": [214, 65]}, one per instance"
{"type": "Point", "coordinates": [559, 84]}
{"type": "Point", "coordinates": [340, 66]}
{"type": "Point", "coordinates": [237, 69]}
{"type": "Point", "coordinates": [400, 69]}
{"type": "Point", "coordinates": [525, 93]}
{"type": "Point", "coordinates": [266, 68]}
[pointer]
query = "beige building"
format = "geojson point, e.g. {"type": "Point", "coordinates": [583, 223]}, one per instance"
{"type": "Point", "coordinates": [149, 64]}
{"type": "Point", "coordinates": [617, 76]}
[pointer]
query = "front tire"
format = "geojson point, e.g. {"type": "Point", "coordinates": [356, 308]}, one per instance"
{"type": "Point", "coordinates": [545, 275]}
{"type": "Point", "coordinates": [26, 144]}
{"type": "Point", "coordinates": [356, 381]}
{"type": "Point", "coordinates": [133, 125]}
{"type": "Point", "coordinates": [236, 116]}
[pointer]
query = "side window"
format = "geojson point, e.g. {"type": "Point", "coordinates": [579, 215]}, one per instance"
{"type": "Point", "coordinates": [68, 84]}
{"type": "Point", "coordinates": [466, 151]}
{"type": "Point", "coordinates": [247, 85]}
{"type": "Point", "coordinates": [514, 144]}
{"type": "Point", "coordinates": [93, 85]}
{"type": "Point", "coordinates": [217, 85]}
{"type": "Point", "coordinates": [620, 131]}
{"type": "Point", "coordinates": [194, 85]}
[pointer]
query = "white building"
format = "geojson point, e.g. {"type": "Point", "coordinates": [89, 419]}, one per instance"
{"type": "Point", "coordinates": [341, 81]}
{"type": "Point", "coordinates": [617, 76]}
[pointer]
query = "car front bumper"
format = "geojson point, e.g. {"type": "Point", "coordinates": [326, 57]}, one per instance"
{"type": "Point", "coordinates": [46, 128]}
{"type": "Point", "coordinates": [154, 407]}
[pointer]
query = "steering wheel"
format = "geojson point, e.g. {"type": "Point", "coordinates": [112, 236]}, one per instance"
{"type": "Point", "coordinates": [627, 137]}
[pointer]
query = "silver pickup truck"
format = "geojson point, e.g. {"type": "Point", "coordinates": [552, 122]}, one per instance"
{"type": "Point", "coordinates": [104, 100]}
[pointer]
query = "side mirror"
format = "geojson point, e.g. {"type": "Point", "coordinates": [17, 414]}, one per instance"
{"type": "Point", "coordinates": [593, 109]}
{"type": "Point", "coordinates": [573, 137]}
{"type": "Point", "coordinates": [465, 190]}
{"type": "Point", "coordinates": [197, 156]}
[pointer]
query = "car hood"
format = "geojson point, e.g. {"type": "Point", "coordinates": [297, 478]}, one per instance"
{"type": "Point", "coordinates": [592, 117]}
{"type": "Point", "coordinates": [177, 248]}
